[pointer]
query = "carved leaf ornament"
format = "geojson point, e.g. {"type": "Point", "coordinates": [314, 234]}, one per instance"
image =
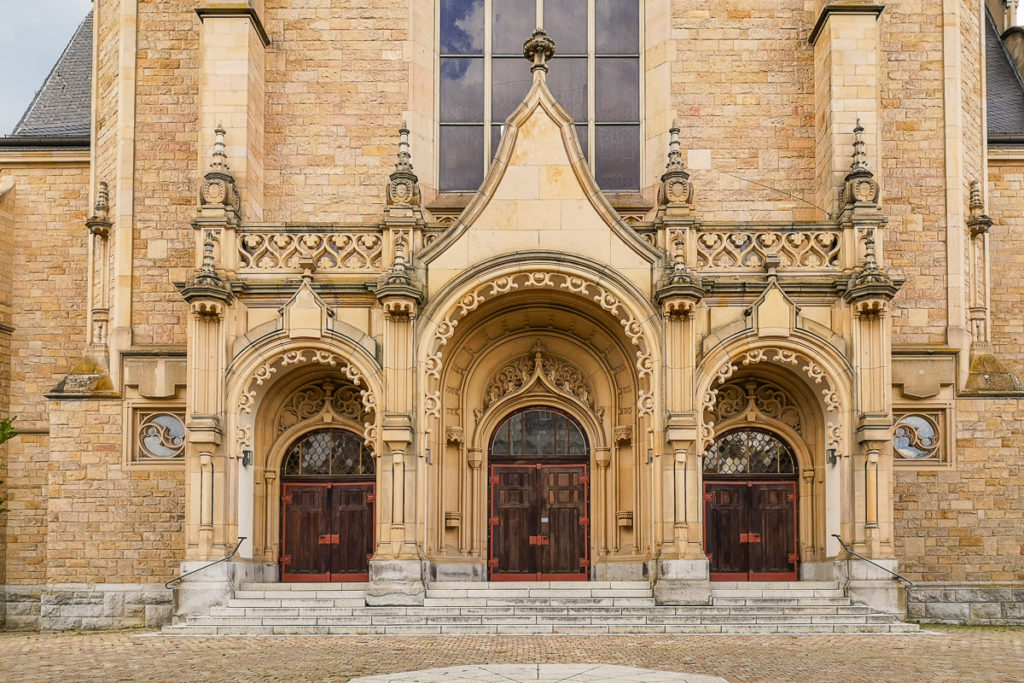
{"type": "Point", "coordinates": [560, 373]}
{"type": "Point", "coordinates": [724, 402]}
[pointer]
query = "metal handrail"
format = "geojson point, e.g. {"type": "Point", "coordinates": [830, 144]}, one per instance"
{"type": "Point", "coordinates": [234, 552]}
{"type": "Point", "coordinates": [910, 584]}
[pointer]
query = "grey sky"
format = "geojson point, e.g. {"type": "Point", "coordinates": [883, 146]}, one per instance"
{"type": "Point", "coordinates": [32, 36]}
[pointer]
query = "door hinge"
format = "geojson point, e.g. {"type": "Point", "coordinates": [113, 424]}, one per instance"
{"type": "Point", "coordinates": [584, 480]}
{"type": "Point", "coordinates": [794, 558]}
{"type": "Point", "coordinates": [708, 497]}
{"type": "Point", "coordinates": [584, 521]}
{"type": "Point", "coordinates": [494, 479]}
{"type": "Point", "coordinates": [370, 498]}
{"type": "Point", "coordinates": [492, 562]}
{"type": "Point", "coordinates": [493, 521]}
{"type": "Point", "coordinates": [286, 559]}
{"type": "Point", "coordinates": [791, 498]}
{"type": "Point", "coordinates": [287, 498]}
{"type": "Point", "coordinates": [584, 563]}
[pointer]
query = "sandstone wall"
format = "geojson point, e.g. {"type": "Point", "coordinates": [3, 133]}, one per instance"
{"type": "Point", "coordinates": [964, 524]}
{"type": "Point", "coordinates": [1006, 262]}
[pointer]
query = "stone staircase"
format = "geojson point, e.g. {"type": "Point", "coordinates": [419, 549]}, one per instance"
{"type": "Point", "coordinates": [539, 608]}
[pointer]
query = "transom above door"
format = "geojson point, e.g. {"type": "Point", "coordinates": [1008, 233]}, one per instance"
{"type": "Point", "coordinates": [539, 526]}
{"type": "Point", "coordinates": [327, 504]}
{"type": "Point", "coordinates": [750, 504]}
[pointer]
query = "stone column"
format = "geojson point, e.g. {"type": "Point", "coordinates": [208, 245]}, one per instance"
{"type": "Point", "coordinates": [397, 567]}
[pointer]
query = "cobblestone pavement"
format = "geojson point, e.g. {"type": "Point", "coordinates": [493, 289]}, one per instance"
{"type": "Point", "coordinates": [948, 654]}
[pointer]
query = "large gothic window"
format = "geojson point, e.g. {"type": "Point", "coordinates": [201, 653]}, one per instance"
{"type": "Point", "coordinates": [595, 76]}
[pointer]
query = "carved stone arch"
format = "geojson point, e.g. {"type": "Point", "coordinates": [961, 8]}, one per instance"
{"type": "Point", "coordinates": [258, 368]}
{"type": "Point", "coordinates": [616, 299]}
{"type": "Point", "coordinates": [819, 367]}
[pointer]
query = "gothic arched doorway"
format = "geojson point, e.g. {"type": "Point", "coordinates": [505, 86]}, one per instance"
{"type": "Point", "coordinates": [750, 507]}
{"type": "Point", "coordinates": [327, 501]}
{"type": "Point", "coordinates": [539, 498]}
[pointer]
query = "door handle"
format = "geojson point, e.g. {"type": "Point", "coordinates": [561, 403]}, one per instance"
{"type": "Point", "coordinates": [539, 540]}
{"type": "Point", "coordinates": [329, 539]}
{"type": "Point", "coordinates": [750, 538]}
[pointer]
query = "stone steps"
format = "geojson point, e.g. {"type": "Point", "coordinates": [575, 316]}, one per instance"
{"type": "Point", "coordinates": [539, 608]}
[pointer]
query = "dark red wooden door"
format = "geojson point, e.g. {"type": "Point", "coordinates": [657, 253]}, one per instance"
{"type": "Point", "coordinates": [327, 531]}
{"type": "Point", "coordinates": [538, 525]}
{"type": "Point", "coordinates": [352, 531]}
{"type": "Point", "coordinates": [305, 523]}
{"type": "Point", "coordinates": [725, 518]}
{"type": "Point", "coordinates": [773, 532]}
{"type": "Point", "coordinates": [750, 530]}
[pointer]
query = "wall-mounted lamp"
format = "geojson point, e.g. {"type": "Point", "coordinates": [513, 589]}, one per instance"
{"type": "Point", "coordinates": [830, 456]}
{"type": "Point", "coordinates": [246, 457]}
{"type": "Point", "coordinates": [650, 456]}
{"type": "Point", "coordinates": [429, 456]}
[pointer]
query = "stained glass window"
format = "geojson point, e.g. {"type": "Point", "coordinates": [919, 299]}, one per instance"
{"type": "Point", "coordinates": [538, 431]}
{"type": "Point", "coordinates": [328, 453]}
{"type": "Point", "coordinates": [749, 452]}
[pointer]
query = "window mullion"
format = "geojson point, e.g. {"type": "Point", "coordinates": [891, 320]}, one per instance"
{"type": "Point", "coordinates": [591, 81]}
{"type": "Point", "coordinates": [488, 35]}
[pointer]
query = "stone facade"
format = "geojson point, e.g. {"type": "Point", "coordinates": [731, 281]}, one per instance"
{"type": "Point", "coordinates": [829, 224]}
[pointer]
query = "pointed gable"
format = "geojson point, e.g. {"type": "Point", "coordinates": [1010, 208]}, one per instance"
{"type": "Point", "coordinates": [539, 195]}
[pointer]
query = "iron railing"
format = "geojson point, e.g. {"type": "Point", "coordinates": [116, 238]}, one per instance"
{"type": "Point", "coordinates": [207, 566]}
{"type": "Point", "coordinates": [850, 551]}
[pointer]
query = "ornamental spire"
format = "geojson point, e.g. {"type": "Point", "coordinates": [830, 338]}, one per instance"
{"type": "Point", "coordinates": [403, 186]}
{"type": "Point", "coordinates": [860, 158]}
{"type": "Point", "coordinates": [978, 222]}
{"type": "Point", "coordinates": [675, 157]}
{"type": "Point", "coordinates": [220, 156]}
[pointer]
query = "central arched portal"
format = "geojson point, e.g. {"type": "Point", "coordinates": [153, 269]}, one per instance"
{"type": "Point", "coordinates": [539, 498]}
{"type": "Point", "coordinates": [750, 507]}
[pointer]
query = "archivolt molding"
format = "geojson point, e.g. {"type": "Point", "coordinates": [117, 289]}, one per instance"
{"type": "Point", "coordinates": [540, 279]}
{"type": "Point", "coordinates": [294, 358]}
{"type": "Point", "coordinates": [815, 373]}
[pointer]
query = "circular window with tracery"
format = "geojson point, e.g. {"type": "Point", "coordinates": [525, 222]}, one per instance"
{"type": "Point", "coordinates": [916, 437]}
{"type": "Point", "coordinates": [328, 453]}
{"type": "Point", "coordinates": [747, 452]}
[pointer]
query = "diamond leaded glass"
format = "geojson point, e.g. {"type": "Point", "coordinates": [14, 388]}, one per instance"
{"type": "Point", "coordinates": [328, 453]}
{"type": "Point", "coordinates": [537, 431]}
{"type": "Point", "coordinates": [749, 451]}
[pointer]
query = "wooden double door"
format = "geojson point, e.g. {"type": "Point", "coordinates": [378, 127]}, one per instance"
{"type": "Point", "coordinates": [539, 525]}
{"type": "Point", "coordinates": [326, 530]}
{"type": "Point", "coordinates": [750, 531]}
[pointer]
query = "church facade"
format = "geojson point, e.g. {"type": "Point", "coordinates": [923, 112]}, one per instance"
{"type": "Point", "coordinates": [352, 291]}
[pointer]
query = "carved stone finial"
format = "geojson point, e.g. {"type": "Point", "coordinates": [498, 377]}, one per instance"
{"type": "Point", "coordinates": [676, 189]}
{"type": "Point", "coordinates": [102, 208]}
{"type": "Point", "coordinates": [218, 188]}
{"type": "Point", "coordinates": [978, 222]}
{"type": "Point", "coordinates": [675, 157]}
{"type": "Point", "coordinates": [207, 272]}
{"type": "Point", "coordinates": [403, 186]}
{"type": "Point", "coordinates": [220, 156]}
{"type": "Point", "coordinates": [205, 289]}
{"type": "Point", "coordinates": [860, 159]}
{"type": "Point", "coordinates": [860, 187]}
{"type": "Point", "coordinates": [539, 49]}
{"type": "Point", "coordinates": [99, 222]}
{"type": "Point", "coordinates": [872, 289]}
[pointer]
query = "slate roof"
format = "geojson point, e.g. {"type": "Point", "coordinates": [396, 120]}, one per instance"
{"type": "Point", "coordinates": [1005, 87]}
{"type": "Point", "coordinates": [62, 107]}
